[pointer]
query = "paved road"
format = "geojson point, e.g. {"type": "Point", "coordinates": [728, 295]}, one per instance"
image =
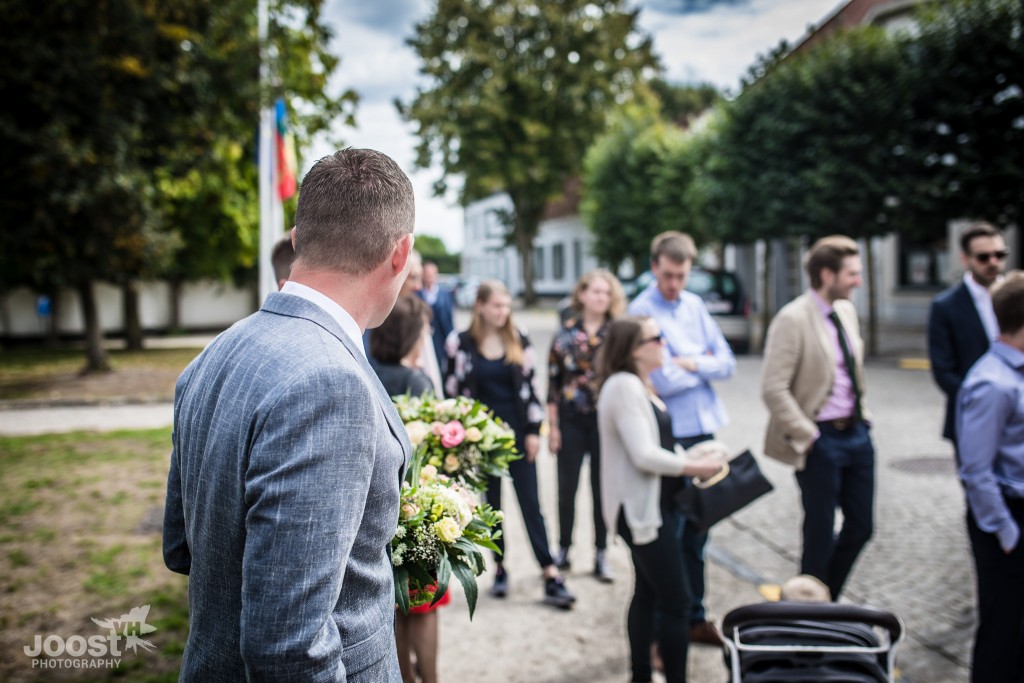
{"type": "Point", "coordinates": [918, 564]}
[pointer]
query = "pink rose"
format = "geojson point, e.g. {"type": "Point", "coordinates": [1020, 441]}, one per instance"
{"type": "Point", "coordinates": [452, 434]}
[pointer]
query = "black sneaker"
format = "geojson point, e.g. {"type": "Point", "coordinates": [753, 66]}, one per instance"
{"type": "Point", "coordinates": [500, 587]}
{"type": "Point", "coordinates": [556, 594]}
{"type": "Point", "coordinates": [601, 569]}
{"type": "Point", "coordinates": [562, 560]}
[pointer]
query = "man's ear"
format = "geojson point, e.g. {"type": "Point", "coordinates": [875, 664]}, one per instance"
{"type": "Point", "coordinates": [292, 233]}
{"type": "Point", "coordinates": [400, 254]}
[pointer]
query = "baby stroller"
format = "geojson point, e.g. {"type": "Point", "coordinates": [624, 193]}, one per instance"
{"type": "Point", "coordinates": [789, 642]}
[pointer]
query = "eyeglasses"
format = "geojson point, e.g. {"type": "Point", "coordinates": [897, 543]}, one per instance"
{"type": "Point", "coordinates": [986, 256]}
{"type": "Point", "coordinates": [659, 338]}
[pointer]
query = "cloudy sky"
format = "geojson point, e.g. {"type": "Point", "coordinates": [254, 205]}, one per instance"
{"type": "Point", "coordinates": [698, 40]}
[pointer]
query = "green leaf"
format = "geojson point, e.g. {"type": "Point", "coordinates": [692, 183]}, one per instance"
{"type": "Point", "coordinates": [467, 578]}
{"type": "Point", "coordinates": [402, 589]}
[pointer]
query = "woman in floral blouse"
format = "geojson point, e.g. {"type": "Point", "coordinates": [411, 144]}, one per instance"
{"type": "Point", "coordinates": [493, 362]}
{"type": "Point", "coordinates": [572, 413]}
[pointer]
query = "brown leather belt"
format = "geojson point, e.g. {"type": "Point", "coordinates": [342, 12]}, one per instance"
{"type": "Point", "coordinates": [840, 423]}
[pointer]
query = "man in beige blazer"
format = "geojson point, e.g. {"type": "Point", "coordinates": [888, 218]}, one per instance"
{"type": "Point", "coordinates": [813, 384]}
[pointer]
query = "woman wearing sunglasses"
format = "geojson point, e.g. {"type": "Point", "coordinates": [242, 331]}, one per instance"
{"type": "Point", "coordinates": [636, 453]}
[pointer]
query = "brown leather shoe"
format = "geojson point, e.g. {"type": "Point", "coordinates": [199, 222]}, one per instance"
{"type": "Point", "coordinates": [706, 633]}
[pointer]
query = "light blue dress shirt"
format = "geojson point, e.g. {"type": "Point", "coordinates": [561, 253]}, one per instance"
{"type": "Point", "coordinates": [990, 436]}
{"type": "Point", "coordinates": [689, 330]}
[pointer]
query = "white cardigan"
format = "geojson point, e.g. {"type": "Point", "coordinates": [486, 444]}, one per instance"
{"type": "Point", "coordinates": [632, 459]}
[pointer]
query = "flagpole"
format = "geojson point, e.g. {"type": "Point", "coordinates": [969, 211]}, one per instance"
{"type": "Point", "coordinates": [270, 229]}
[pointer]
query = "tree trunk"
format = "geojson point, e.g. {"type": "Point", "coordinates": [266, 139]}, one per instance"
{"type": "Point", "coordinates": [525, 246]}
{"type": "Point", "coordinates": [872, 299]}
{"type": "Point", "coordinates": [133, 336]}
{"type": "Point", "coordinates": [525, 225]}
{"type": "Point", "coordinates": [766, 295]}
{"type": "Point", "coordinates": [96, 358]}
{"type": "Point", "coordinates": [52, 338]}
{"type": "Point", "coordinates": [174, 325]}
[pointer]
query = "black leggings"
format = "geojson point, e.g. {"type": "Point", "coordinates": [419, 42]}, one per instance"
{"type": "Point", "coordinates": [524, 479]}
{"type": "Point", "coordinates": [660, 585]}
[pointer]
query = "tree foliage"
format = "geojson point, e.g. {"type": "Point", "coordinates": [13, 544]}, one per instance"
{"type": "Point", "coordinates": [515, 92]}
{"type": "Point", "coordinates": [642, 176]}
{"type": "Point", "coordinates": [965, 152]}
{"type": "Point", "coordinates": [127, 136]}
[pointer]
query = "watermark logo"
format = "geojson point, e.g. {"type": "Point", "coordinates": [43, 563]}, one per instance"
{"type": "Point", "coordinates": [96, 651]}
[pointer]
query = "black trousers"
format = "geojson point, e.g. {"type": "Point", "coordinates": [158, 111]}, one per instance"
{"type": "Point", "coordinates": [999, 641]}
{"type": "Point", "coordinates": [840, 472]}
{"type": "Point", "coordinates": [659, 587]}
{"type": "Point", "coordinates": [524, 479]}
{"type": "Point", "coordinates": [693, 542]}
{"type": "Point", "coordinates": [579, 437]}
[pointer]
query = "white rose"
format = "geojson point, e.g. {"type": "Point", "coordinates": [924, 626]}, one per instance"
{"type": "Point", "coordinates": [417, 431]}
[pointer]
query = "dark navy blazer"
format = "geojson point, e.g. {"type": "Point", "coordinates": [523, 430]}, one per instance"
{"type": "Point", "coordinates": [956, 339]}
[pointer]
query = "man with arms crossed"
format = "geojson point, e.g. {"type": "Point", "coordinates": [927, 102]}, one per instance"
{"type": "Point", "coordinates": [961, 322]}
{"type": "Point", "coordinates": [990, 438]}
{"type": "Point", "coordinates": [698, 354]}
{"type": "Point", "coordinates": [813, 385]}
{"type": "Point", "coordinates": [282, 496]}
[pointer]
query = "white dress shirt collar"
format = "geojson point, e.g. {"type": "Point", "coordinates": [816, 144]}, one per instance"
{"type": "Point", "coordinates": [331, 307]}
{"type": "Point", "coordinates": [982, 297]}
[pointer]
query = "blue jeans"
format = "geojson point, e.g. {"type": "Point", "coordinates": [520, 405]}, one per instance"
{"type": "Point", "coordinates": [840, 472]}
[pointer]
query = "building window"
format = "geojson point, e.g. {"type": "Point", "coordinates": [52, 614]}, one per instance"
{"type": "Point", "coordinates": [577, 258]}
{"type": "Point", "coordinates": [923, 263]}
{"type": "Point", "coordinates": [538, 263]}
{"type": "Point", "coordinates": [558, 262]}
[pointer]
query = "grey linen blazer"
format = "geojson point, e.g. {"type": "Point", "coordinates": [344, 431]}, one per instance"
{"type": "Point", "coordinates": [282, 499]}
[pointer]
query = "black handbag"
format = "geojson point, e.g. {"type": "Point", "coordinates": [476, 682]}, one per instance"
{"type": "Point", "coordinates": [739, 484]}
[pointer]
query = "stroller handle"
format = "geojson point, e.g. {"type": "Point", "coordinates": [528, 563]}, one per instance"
{"type": "Point", "coordinates": [828, 611]}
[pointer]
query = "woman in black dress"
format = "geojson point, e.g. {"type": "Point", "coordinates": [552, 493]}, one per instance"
{"type": "Point", "coordinates": [493, 362]}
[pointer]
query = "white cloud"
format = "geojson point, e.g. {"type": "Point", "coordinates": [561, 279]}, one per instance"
{"type": "Point", "coordinates": [717, 46]}
{"type": "Point", "coordinates": [720, 45]}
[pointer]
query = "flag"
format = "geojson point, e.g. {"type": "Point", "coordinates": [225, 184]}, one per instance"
{"type": "Point", "coordinates": [287, 167]}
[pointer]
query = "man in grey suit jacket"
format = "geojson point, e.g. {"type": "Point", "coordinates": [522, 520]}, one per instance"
{"type": "Point", "coordinates": [283, 491]}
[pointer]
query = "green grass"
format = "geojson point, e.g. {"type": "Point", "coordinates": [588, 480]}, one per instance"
{"type": "Point", "coordinates": [70, 505]}
{"type": "Point", "coordinates": [36, 373]}
{"type": "Point", "coordinates": [31, 362]}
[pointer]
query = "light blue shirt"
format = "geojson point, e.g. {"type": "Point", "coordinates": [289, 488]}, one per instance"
{"type": "Point", "coordinates": [689, 330]}
{"type": "Point", "coordinates": [990, 437]}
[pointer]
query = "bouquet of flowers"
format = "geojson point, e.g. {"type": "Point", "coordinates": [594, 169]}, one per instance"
{"type": "Point", "coordinates": [458, 436]}
{"type": "Point", "coordinates": [441, 530]}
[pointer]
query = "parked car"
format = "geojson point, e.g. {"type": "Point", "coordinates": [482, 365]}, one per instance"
{"type": "Point", "coordinates": [722, 294]}
{"type": "Point", "coordinates": [464, 291]}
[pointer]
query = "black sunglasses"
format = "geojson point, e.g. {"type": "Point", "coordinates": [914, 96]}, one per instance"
{"type": "Point", "coordinates": [986, 256]}
{"type": "Point", "coordinates": [660, 338]}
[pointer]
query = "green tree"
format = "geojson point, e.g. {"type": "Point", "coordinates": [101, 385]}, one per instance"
{"type": "Point", "coordinates": [620, 171]}
{"type": "Point", "coordinates": [111, 109]}
{"type": "Point", "coordinates": [964, 156]}
{"type": "Point", "coordinates": [208, 181]}
{"type": "Point", "coordinates": [433, 249]}
{"type": "Point", "coordinates": [515, 92]}
{"type": "Point", "coordinates": [809, 149]}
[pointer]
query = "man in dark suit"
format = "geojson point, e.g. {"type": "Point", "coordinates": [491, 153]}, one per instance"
{"type": "Point", "coordinates": [961, 322]}
{"type": "Point", "coordinates": [440, 301]}
{"type": "Point", "coordinates": [288, 455]}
